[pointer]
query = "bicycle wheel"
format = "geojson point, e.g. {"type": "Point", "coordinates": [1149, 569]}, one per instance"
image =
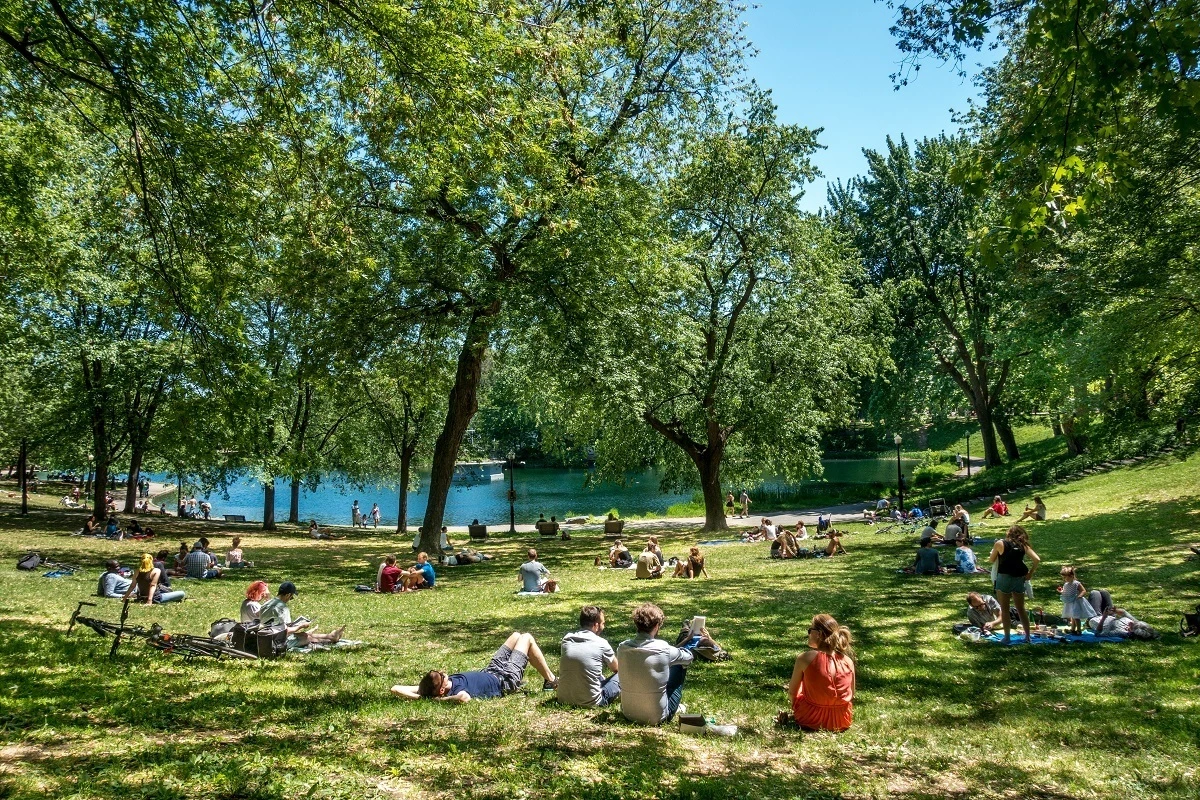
{"type": "Point", "coordinates": [213, 648]}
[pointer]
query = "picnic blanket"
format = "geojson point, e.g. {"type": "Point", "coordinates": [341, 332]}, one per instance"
{"type": "Point", "coordinates": [978, 571]}
{"type": "Point", "coordinates": [1087, 637]}
{"type": "Point", "coordinates": [716, 542]}
{"type": "Point", "coordinates": [534, 594]}
{"type": "Point", "coordinates": [312, 648]}
{"type": "Point", "coordinates": [59, 573]}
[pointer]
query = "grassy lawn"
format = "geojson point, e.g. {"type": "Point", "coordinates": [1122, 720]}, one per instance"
{"type": "Point", "coordinates": [934, 717]}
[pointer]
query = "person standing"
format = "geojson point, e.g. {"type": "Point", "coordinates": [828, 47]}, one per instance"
{"type": "Point", "coordinates": [585, 656]}
{"type": "Point", "coordinates": [375, 514]}
{"type": "Point", "coordinates": [823, 679]}
{"type": "Point", "coordinates": [1011, 574]}
{"type": "Point", "coordinates": [652, 671]}
{"type": "Point", "coordinates": [745, 503]}
{"type": "Point", "coordinates": [355, 515]}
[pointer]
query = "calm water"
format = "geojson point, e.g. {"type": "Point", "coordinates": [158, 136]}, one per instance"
{"type": "Point", "coordinates": [560, 492]}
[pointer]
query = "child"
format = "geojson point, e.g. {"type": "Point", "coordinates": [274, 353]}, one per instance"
{"type": "Point", "coordinates": [1075, 606]}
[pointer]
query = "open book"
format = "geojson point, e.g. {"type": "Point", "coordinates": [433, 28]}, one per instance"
{"type": "Point", "coordinates": [697, 625]}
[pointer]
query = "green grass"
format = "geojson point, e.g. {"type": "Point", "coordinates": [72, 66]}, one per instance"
{"type": "Point", "coordinates": [934, 717]}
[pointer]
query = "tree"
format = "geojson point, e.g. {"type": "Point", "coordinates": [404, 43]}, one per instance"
{"type": "Point", "coordinates": [752, 343]}
{"type": "Point", "coordinates": [914, 222]}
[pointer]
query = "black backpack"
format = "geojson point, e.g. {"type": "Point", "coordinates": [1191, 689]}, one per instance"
{"type": "Point", "coordinates": [1190, 624]}
{"type": "Point", "coordinates": [244, 637]}
{"type": "Point", "coordinates": [29, 561]}
{"type": "Point", "coordinates": [221, 627]}
{"type": "Point", "coordinates": [271, 642]}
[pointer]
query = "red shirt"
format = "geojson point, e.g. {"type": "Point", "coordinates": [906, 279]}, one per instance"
{"type": "Point", "coordinates": [1000, 508]}
{"type": "Point", "coordinates": [389, 578]}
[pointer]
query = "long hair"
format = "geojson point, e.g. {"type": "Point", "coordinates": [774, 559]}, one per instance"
{"type": "Point", "coordinates": [256, 591]}
{"type": "Point", "coordinates": [835, 638]}
{"type": "Point", "coordinates": [1019, 535]}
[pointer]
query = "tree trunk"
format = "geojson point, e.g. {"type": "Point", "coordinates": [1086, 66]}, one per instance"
{"type": "Point", "coordinates": [22, 467]}
{"type": "Point", "coordinates": [135, 474]}
{"type": "Point", "coordinates": [708, 462]}
{"type": "Point", "coordinates": [1056, 425]}
{"type": "Point", "coordinates": [179, 495]}
{"type": "Point", "coordinates": [405, 476]}
{"type": "Point", "coordinates": [1004, 429]}
{"type": "Point", "coordinates": [987, 432]}
{"type": "Point", "coordinates": [462, 405]}
{"type": "Point", "coordinates": [269, 505]}
{"type": "Point", "coordinates": [294, 507]}
{"type": "Point", "coordinates": [1076, 438]}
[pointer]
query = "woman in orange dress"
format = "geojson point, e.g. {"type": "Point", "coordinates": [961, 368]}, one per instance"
{"type": "Point", "coordinates": [822, 687]}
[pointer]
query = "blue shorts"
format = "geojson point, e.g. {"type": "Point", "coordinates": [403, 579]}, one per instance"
{"type": "Point", "coordinates": [1010, 584]}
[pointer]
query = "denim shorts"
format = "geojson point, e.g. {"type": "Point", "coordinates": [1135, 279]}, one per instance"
{"type": "Point", "coordinates": [1010, 584]}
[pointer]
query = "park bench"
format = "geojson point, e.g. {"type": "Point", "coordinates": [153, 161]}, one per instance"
{"type": "Point", "coordinates": [548, 530]}
{"type": "Point", "coordinates": [235, 517]}
{"type": "Point", "coordinates": [613, 528]}
{"type": "Point", "coordinates": [477, 532]}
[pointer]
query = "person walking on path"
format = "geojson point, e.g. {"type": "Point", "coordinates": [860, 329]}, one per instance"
{"type": "Point", "coordinates": [745, 504]}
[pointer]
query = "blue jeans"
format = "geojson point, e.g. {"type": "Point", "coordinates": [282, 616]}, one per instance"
{"type": "Point", "coordinates": [610, 690]}
{"type": "Point", "coordinates": [675, 678]}
{"type": "Point", "coordinates": [170, 597]}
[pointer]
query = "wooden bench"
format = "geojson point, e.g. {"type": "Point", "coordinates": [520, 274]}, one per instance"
{"type": "Point", "coordinates": [235, 517]}
{"type": "Point", "coordinates": [548, 530]}
{"type": "Point", "coordinates": [613, 528]}
{"type": "Point", "coordinates": [477, 532]}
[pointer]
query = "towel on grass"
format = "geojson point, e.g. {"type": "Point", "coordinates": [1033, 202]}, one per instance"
{"type": "Point", "coordinates": [1087, 637]}
{"type": "Point", "coordinates": [59, 573]}
{"type": "Point", "coordinates": [534, 594]}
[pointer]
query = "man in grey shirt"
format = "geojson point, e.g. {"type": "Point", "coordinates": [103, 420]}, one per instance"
{"type": "Point", "coordinates": [585, 654]}
{"type": "Point", "coordinates": [652, 671]}
{"type": "Point", "coordinates": [983, 610]}
{"type": "Point", "coordinates": [534, 575]}
{"type": "Point", "coordinates": [112, 584]}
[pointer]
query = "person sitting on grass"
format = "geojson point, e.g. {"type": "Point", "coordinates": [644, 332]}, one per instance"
{"type": "Point", "coordinates": [834, 547]}
{"type": "Point", "coordinates": [112, 583]}
{"type": "Point", "coordinates": [692, 566]}
{"type": "Point", "coordinates": [585, 656]}
{"type": "Point", "coordinates": [1038, 511]}
{"type": "Point", "coordinates": [648, 565]}
{"type": "Point", "coordinates": [652, 546]}
{"type": "Point", "coordinates": [534, 576]}
{"type": "Point", "coordinates": [235, 558]}
{"type": "Point", "coordinates": [927, 561]}
{"type": "Point", "coordinates": [145, 584]}
{"type": "Point", "coordinates": [257, 593]}
{"type": "Point", "coordinates": [420, 576]}
{"type": "Point", "coordinates": [503, 675]}
{"type": "Point", "coordinates": [180, 566]}
{"type": "Point", "coordinates": [388, 577]}
{"type": "Point", "coordinates": [315, 532]}
{"type": "Point", "coordinates": [277, 612]}
{"type": "Point", "coordinates": [964, 556]}
{"type": "Point", "coordinates": [930, 531]}
{"type": "Point", "coordinates": [199, 564]}
{"type": "Point", "coordinates": [619, 556]}
{"type": "Point", "coordinates": [821, 690]}
{"type": "Point", "coordinates": [998, 508]}
{"type": "Point", "coordinates": [652, 671]}
{"type": "Point", "coordinates": [983, 611]}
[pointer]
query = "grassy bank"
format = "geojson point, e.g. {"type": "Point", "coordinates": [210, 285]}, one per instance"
{"type": "Point", "coordinates": [934, 717]}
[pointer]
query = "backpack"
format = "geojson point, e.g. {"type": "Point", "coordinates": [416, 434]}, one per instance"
{"type": "Point", "coordinates": [1190, 624]}
{"type": "Point", "coordinates": [29, 561]}
{"type": "Point", "coordinates": [244, 637]}
{"type": "Point", "coordinates": [270, 642]}
{"type": "Point", "coordinates": [221, 627]}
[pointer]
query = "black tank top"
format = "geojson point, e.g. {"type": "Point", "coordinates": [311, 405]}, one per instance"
{"type": "Point", "coordinates": [1012, 560]}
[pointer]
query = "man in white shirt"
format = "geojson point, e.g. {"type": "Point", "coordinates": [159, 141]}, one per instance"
{"type": "Point", "coordinates": [585, 654]}
{"type": "Point", "coordinates": [652, 671]}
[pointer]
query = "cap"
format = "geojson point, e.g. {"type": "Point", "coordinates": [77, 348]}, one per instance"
{"type": "Point", "coordinates": [287, 587]}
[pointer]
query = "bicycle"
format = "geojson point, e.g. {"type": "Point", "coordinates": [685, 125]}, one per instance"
{"type": "Point", "coordinates": [181, 644]}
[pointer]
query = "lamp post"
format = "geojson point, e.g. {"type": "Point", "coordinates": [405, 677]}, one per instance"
{"type": "Point", "coordinates": [512, 493]}
{"type": "Point", "coordinates": [968, 454]}
{"type": "Point", "coordinates": [899, 474]}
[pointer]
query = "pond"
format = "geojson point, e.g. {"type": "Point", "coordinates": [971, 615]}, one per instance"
{"type": "Point", "coordinates": [561, 492]}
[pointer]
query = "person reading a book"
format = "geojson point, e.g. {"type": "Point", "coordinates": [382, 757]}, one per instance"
{"type": "Point", "coordinates": [277, 612]}
{"type": "Point", "coordinates": [652, 671]}
{"type": "Point", "coordinates": [503, 675]}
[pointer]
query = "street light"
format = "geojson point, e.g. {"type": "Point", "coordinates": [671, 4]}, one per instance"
{"type": "Point", "coordinates": [968, 454]}
{"type": "Point", "coordinates": [512, 494]}
{"type": "Point", "coordinates": [899, 473]}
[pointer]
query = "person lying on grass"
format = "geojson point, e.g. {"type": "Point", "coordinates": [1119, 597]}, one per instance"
{"type": "Point", "coordinates": [503, 675]}
{"type": "Point", "coordinates": [1113, 621]}
{"type": "Point", "coordinates": [315, 532]}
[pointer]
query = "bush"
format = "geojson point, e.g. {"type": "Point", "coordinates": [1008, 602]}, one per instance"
{"type": "Point", "coordinates": [929, 474]}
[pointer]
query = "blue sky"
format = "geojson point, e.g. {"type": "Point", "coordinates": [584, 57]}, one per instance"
{"type": "Point", "coordinates": [827, 64]}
